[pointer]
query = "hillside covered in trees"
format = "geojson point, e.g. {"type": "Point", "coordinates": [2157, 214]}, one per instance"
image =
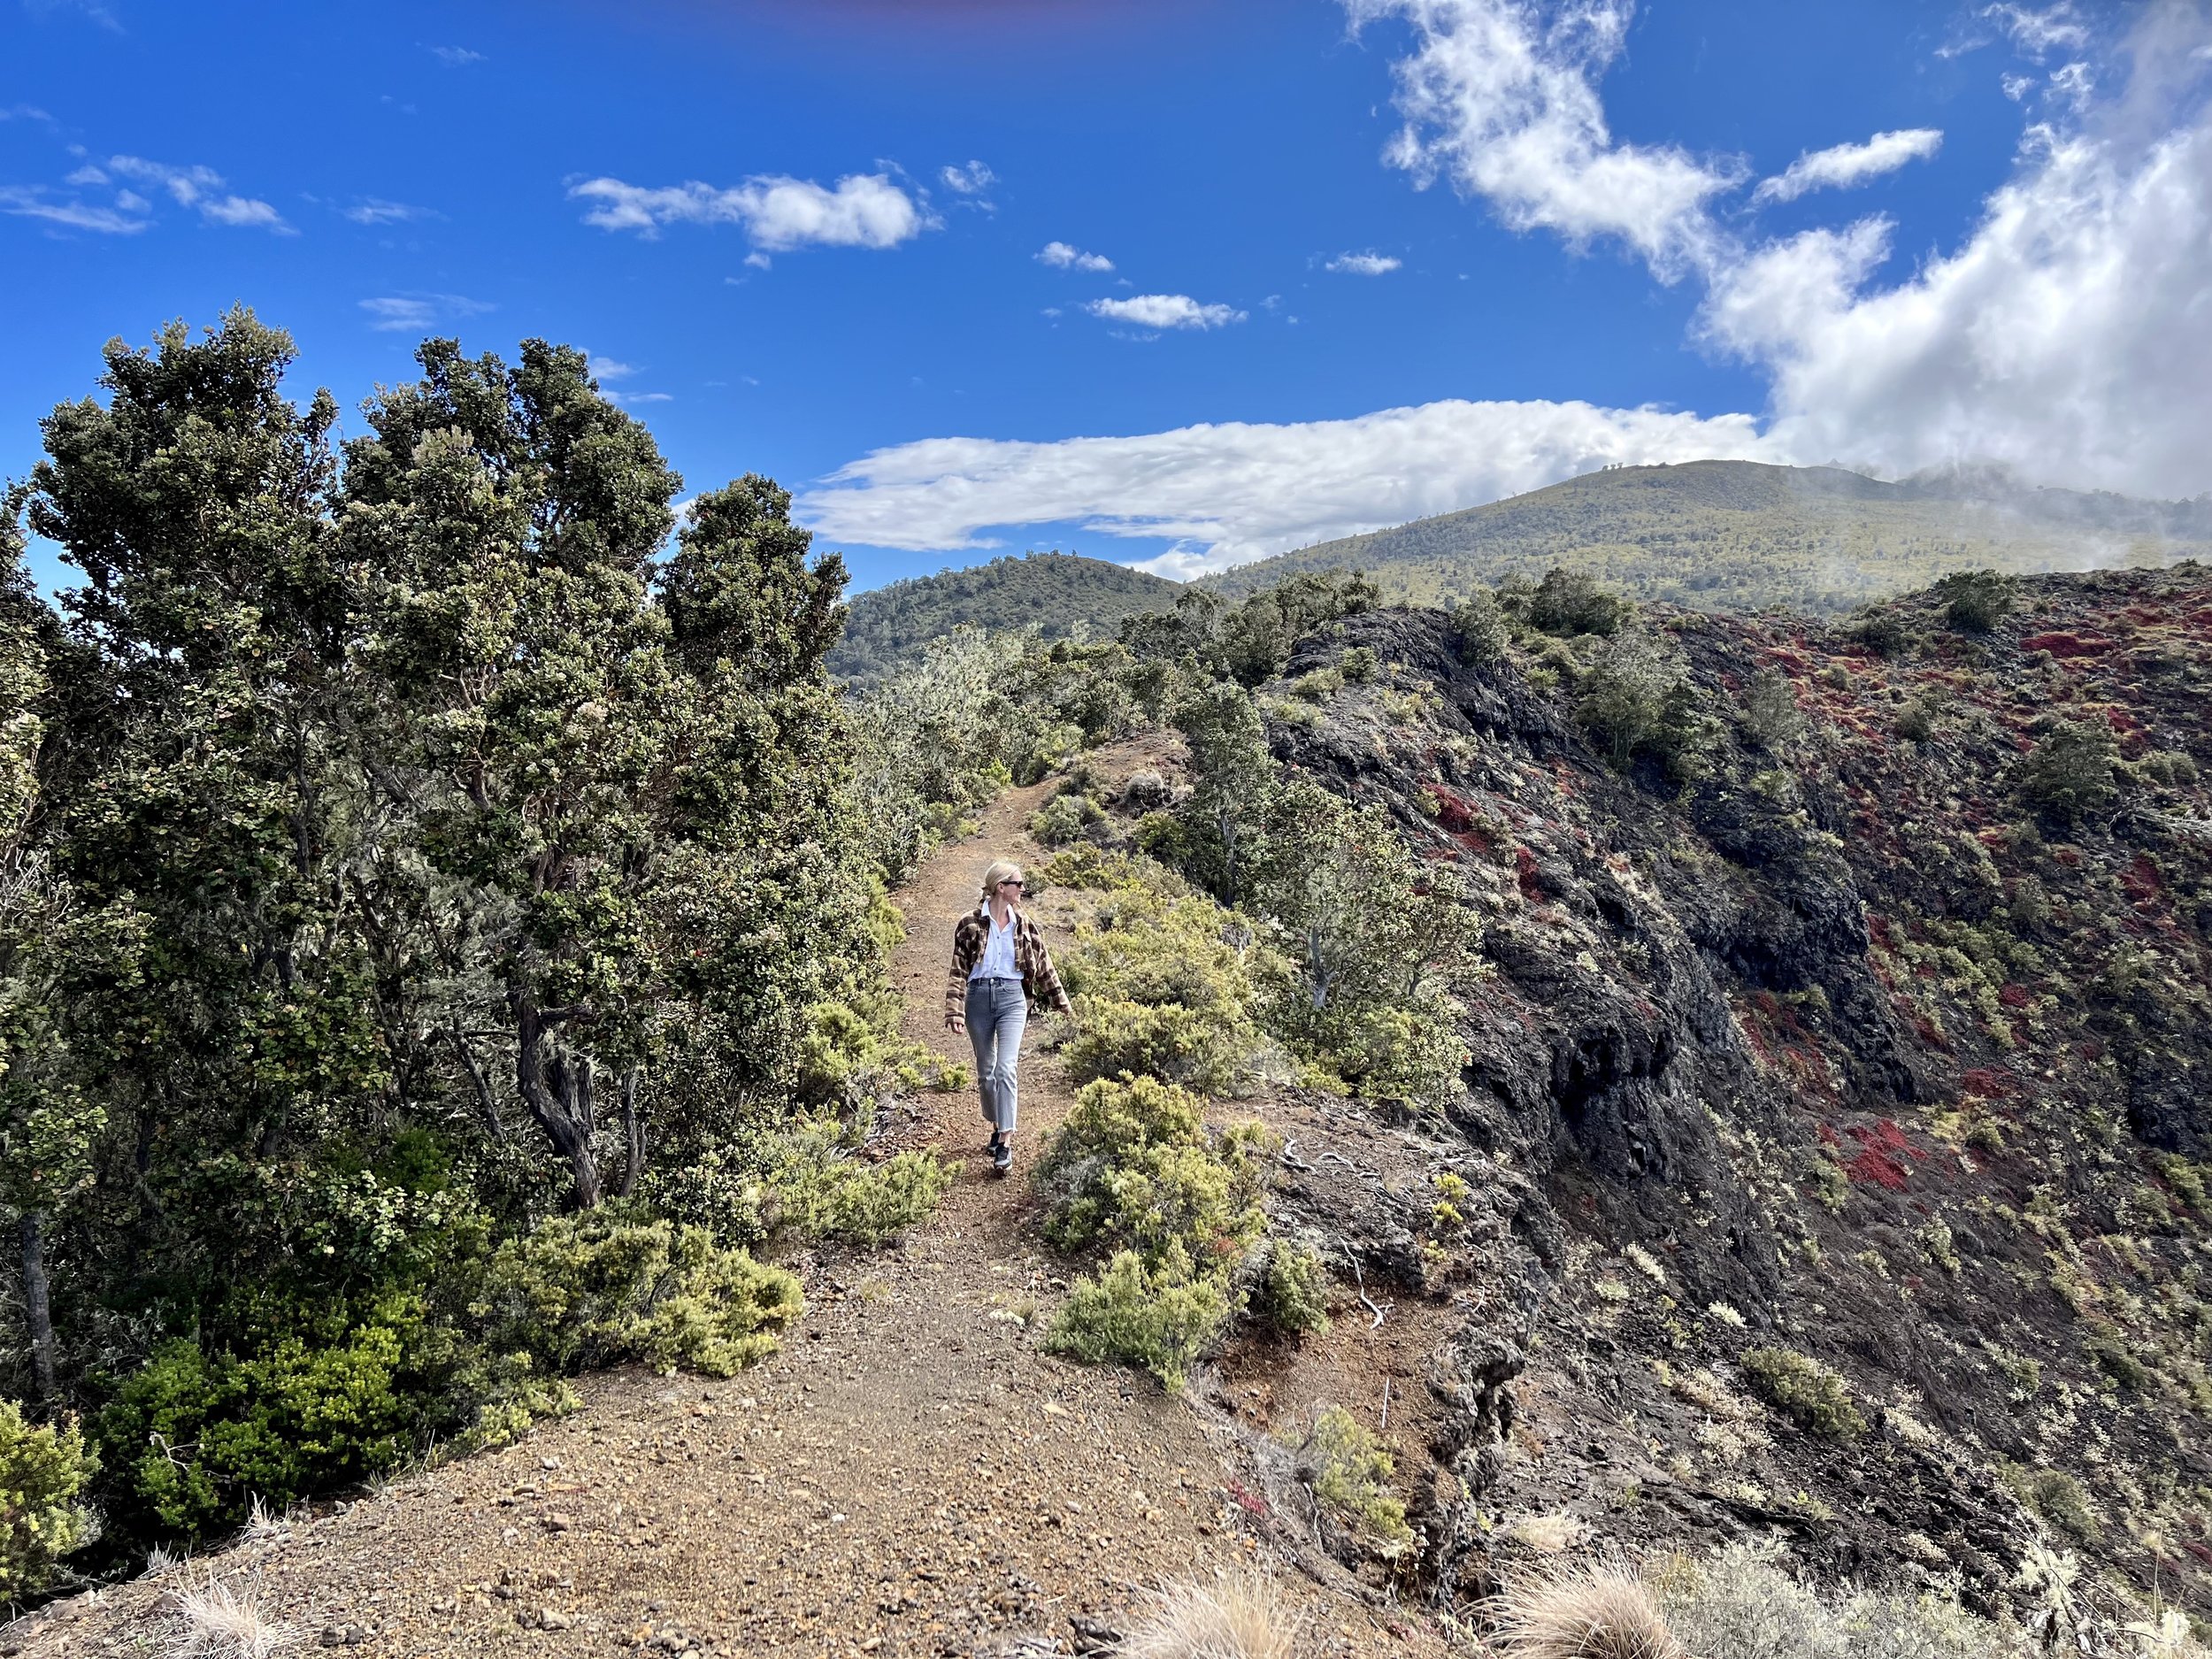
{"type": "Point", "coordinates": [1060, 595]}
{"type": "Point", "coordinates": [1736, 535]}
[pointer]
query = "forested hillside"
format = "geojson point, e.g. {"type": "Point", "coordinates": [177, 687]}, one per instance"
{"type": "Point", "coordinates": [1059, 595]}
{"type": "Point", "coordinates": [1735, 536]}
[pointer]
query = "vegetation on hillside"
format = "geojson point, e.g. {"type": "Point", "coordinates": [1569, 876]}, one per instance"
{"type": "Point", "coordinates": [439, 933]}
{"type": "Point", "coordinates": [1060, 595]}
{"type": "Point", "coordinates": [1735, 536]}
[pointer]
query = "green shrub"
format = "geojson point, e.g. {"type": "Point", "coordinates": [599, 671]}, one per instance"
{"type": "Point", "coordinates": [1569, 603]}
{"type": "Point", "coordinates": [1975, 602]}
{"type": "Point", "coordinates": [823, 1191]}
{"type": "Point", "coordinates": [1771, 715]}
{"type": "Point", "coordinates": [1481, 628]}
{"type": "Point", "coordinates": [1132, 1165]}
{"type": "Point", "coordinates": [1160, 990]}
{"type": "Point", "coordinates": [1915, 722]}
{"type": "Point", "coordinates": [2170, 766]}
{"type": "Point", "coordinates": [1883, 633]}
{"type": "Point", "coordinates": [1317, 687]}
{"type": "Point", "coordinates": [1348, 1473]}
{"type": "Point", "coordinates": [1039, 754]}
{"type": "Point", "coordinates": [44, 1471]}
{"type": "Point", "coordinates": [1066, 817]}
{"type": "Point", "coordinates": [611, 1286]}
{"type": "Point", "coordinates": [198, 1435]}
{"type": "Point", "coordinates": [2059, 1499]}
{"type": "Point", "coordinates": [1159, 1317]}
{"type": "Point", "coordinates": [1293, 1293]}
{"type": "Point", "coordinates": [1809, 1394]}
{"type": "Point", "coordinates": [1358, 666]}
{"type": "Point", "coordinates": [2070, 772]}
{"type": "Point", "coordinates": [2117, 1361]}
{"type": "Point", "coordinates": [1636, 697]}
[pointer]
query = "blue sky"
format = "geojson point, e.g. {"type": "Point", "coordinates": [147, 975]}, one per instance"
{"type": "Point", "coordinates": [1565, 232]}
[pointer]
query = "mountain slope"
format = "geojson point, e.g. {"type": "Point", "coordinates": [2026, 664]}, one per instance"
{"type": "Point", "coordinates": [1736, 535]}
{"type": "Point", "coordinates": [1856, 1060]}
{"type": "Point", "coordinates": [1054, 593]}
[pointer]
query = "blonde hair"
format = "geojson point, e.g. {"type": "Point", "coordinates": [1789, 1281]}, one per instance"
{"type": "Point", "coordinates": [1001, 870]}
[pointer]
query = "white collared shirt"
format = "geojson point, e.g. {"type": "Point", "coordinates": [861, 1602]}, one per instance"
{"type": "Point", "coordinates": [997, 961]}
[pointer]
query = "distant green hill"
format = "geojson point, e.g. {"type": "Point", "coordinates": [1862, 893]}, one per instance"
{"type": "Point", "coordinates": [1735, 536]}
{"type": "Point", "coordinates": [1055, 593]}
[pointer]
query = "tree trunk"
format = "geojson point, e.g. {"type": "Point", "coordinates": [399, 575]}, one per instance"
{"type": "Point", "coordinates": [37, 1310]}
{"type": "Point", "coordinates": [487, 1105]}
{"type": "Point", "coordinates": [634, 1132]}
{"type": "Point", "coordinates": [557, 1094]}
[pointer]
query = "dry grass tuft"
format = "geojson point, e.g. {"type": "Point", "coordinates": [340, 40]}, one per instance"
{"type": "Point", "coordinates": [1549, 1535]}
{"type": "Point", "coordinates": [1239, 1617]}
{"type": "Point", "coordinates": [215, 1621]}
{"type": "Point", "coordinates": [1586, 1612]}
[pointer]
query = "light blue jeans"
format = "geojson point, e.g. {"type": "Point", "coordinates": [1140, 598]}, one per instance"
{"type": "Point", "coordinates": [997, 1011]}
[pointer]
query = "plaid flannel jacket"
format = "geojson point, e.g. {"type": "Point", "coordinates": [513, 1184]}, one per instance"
{"type": "Point", "coordinates": [1032, 960]}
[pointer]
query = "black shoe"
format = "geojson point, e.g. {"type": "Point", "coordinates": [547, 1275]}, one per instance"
{"type": "Point", "coordinates": [1003, 1155]}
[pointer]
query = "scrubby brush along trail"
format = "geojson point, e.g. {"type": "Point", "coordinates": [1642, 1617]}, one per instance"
{"type": "Point", "coordinates": [910, 1475]}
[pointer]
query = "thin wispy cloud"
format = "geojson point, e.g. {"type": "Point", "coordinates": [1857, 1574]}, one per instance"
{"type": "Point", "coordinates": [455, 57]}
{"type": "Point", "coordinates": [30, 202]}
{"type": "Point", "coordinates": [418, 312]}
{"type": "Point", "coordinates": [1164, 312]}
{"type": "Point", "coordinates": [375, 210]}
{"type": "Point", "coordinates": [2036, 30]}
{"type": "Point", "coordinates": [202, 189]}
{"type": "Point", "coordinates": [1841, 167]}
{"type": "Point", "coordinates": [1363, 265]}
{"type": "Point", "coordinates": [780, 213]}
{"type": "Point", "coordinates": [1066, 257]}
{"type": "Point", "coordinates": [972, 179]}
{"type": "Point", "coordinates": [91, 11]}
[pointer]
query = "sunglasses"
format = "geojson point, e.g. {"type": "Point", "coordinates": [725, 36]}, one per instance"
{"type": "Point", "coordinates": [1013, 884]}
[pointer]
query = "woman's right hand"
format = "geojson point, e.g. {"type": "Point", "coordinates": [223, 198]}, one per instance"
{"type": "Point", "coordinates": [956, 1026]}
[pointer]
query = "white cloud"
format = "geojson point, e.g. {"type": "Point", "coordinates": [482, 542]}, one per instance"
{"type": "Point", "coordinates": [2065, 334]}
{"type": "Point", "coordinates": [197, 188]}
{"type": "Point", "coordinates": [455, 57]}
{"type": "Point", "coordinates": [30, 202]}
{"type": "Point", "coordinates": [1500, 97]}
{"type": "Point", "coordinates": [1363, 264]}
{"type": "Point", "coordinates": [1237, 491]}
{"type": "Point", "coordinates": [1164, 311]}
{"type": "Point", "coordinates": [609, 369]}
{"type": "Point", "coordinates": [1842, 166]}
{"type": "Point", "coordinates": [972, 180]}
{"type": "Point", "coordinates": [374, 211]}
{"type": "Point", "coordinates": [2035, 32]}
{"type": "Point", "coordinates": [1066, 257]}
{"type": "Point", "coordinates": [419, 311]}
{"type": "Point", "coordinates": [86, 175]}
{"type": "Point", "coordinates": [779, 213]}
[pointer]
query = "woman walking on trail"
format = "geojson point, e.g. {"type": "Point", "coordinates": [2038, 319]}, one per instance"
{"type": "Point", "coordinates": [999, 966]}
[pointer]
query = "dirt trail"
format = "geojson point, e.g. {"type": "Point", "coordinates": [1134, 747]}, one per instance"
{"type": "Point", "coordinates": [910, 1476]}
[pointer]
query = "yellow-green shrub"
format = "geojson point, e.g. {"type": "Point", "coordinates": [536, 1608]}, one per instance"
{"type": "Point", "coordinates": [1159, 1317]}
{"type": "Point", "coordinates": [1809, 1394]}
{"type": "Point", "coordinates": [821, 1191]}
{"type": "Point", "coordinates": [1292, 1296]}
{"type": "Point", "coordinates": [610, 1286]}
{"type": "Point", "coordinates": [1160, 990]}
{"type": "Point", "coordinates": [43, 1472]}
{"type": "Point", "coordinates": [1349, 1474]}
